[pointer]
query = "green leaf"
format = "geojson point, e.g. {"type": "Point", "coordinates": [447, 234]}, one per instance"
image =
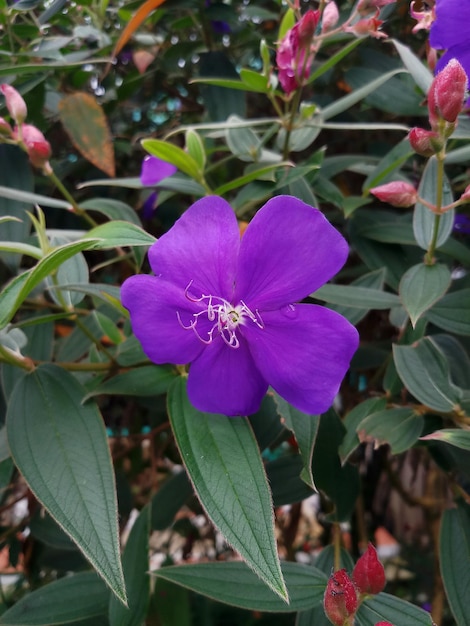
{"type": "Point", "coordinates": [173, 154]}
{"type": "Point", "coordinates": [120, 234]}
{"type": "Point", "coordinates": [351, 422]}
{"type": "Point", "coordinates": [252, 175]}
{"type": "Point", "coordinates": [335, 58]}
{"type": "Point", "coordinates": [46, 420]}
{"type": "Point", "coordinates": [305, 429]}
{"type": "Point", "coordinates": [400, 428]}
{"type": "Point", "coordinates": [224, 463]}
{"type": "Point", "coordinates": [422, 286]}
{"type": "Point", "coordinates": [423, 218]}
{"type": "Point", "coordinates": [112, 209]}
{"type": "Point", "coordinates": [66, 600]}
{"type": "Point", "coordinates": [171, 603]}
{"type": "Point", "coordinates": [452, 436]}
{"type": "Point", "coordinates": [235, 584]}
{"type": "Point", "coordinates": [284, 479]}
{"type": "Point", "coordinates": [20, 287]}
{"type": "Point", "coordinates": [372, 280]}
{"type": "Point", "coordinates": [339, 482]}
{"type": "Point", "coordinates": [195, 147]}
{"type": "Point", "coordinates": [424, 371]}
{"type": "Point", "coordinates": [346, 102]}
{"type": "Point", "coordinates": [358, 297]}
{"type": "Point", "coordinates": [135, 564]}
{"type": "Point", "coordinates": [388, 165]}
{"type": "Point", "coordinates": [454, 550]}
{"type": "Point", "coordinates": [254, 81]}
{"type": "Point", "coordinates": [452, 312]}
{"type": "Point", "coordinates": [33, 198]}
{"type": "Point", "coordinates": [21, 248]}
{"type": "Point", "coordinates": [244, 143]}
{"type": "Point", "coordinates": [287, 22]}
{"type": "Point", "coordinates": [421, 74]}
{"type": "Point", "coordinates": [385, 607]}
{"type": "Point", "coordinates": [149, 380]}
{"type": "Point", "coordinates": [15, 174]}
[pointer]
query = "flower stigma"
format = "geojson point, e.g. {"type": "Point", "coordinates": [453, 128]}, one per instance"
{"type": "Point", "coordinates": [226, 318]}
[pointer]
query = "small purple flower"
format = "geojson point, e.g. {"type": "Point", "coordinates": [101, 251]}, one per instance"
{"type": "Point", "coordinates": [450, 31]}
{"type": "Point", "coordinates": [228, 306]}
{"type": "Point", "coordinates": [153, 171]}
{"type": "Point", "coordinates": [462, 223]}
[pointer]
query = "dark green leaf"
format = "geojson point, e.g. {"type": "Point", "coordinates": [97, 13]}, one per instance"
{"type": "Point", "coordinates": [421, 286]}
{"type": "Point", "coordinates": [45, 421]}
{"type": "Point", "coordinates": [150, 380]}
{"type": "Point", "coordinates": [452, 312]}
{"type": "Point", "coordinates": [392, 609]}
{"type": "Point", "coordinates": [224, 463]}
{"type": "Point", "coordinates": [57, 603]}
{"type": "Point", "coordinates": [399, 427]}
{"type": "Point", "coordinates": [235, 584]}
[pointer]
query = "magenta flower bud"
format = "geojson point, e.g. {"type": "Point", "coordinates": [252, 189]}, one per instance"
{"type": "Point", "coordinates": [38, 148]}
{"type": "Point", "coordinates": [383, 624]}
{"type": "Point", "coordinates": [368, 574]}
{"type": "Point", "coordinates": [425, 142]}
{"type": "Point", "coordinates": [15, 104]}
{"type": "Point", "coordinates": [447, 93]}
{"type": "Point", "coordinates": [340, 599]}
{"type": "Point", "coordinates": [398, 193]}
{"type": "Point", "coordinates": [330, 17]}
{"type": "Point", "coordinates": [294, 57]}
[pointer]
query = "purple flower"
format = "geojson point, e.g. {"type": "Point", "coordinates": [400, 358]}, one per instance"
{"type": "Point", "coordinates": [227, 306]}
{"type": "Point", "coordinates": [450, 31]}
{"type": "Point", "coordinates": [462, 224]}
{"type": "Point", "coordinates": [153, 171]}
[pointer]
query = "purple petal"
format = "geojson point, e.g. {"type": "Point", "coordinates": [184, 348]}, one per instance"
{"type": "Point", "coordinates": [153, 305]}
{"type": "Point", "coordinates": [201, 249]}
{"type": "Point", "coordinates": [451, 26]}
{"type": "Point", "coordinates": [149, 206]}
{"type": "Point", "coordinates": [155, 170]}
{"type": "Point", "coordinates": [225, 380]}
{"type": "Point", "coordinates": [303, 352]}
{"type": "Point", "coordinates": [460, 52]}
{"type": "Point", "coordinates": [287, 252]}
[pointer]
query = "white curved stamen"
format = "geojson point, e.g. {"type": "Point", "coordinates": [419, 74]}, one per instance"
{"type": "Point", "coordinates": [226, 317]}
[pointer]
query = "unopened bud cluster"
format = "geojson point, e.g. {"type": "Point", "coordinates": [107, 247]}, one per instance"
{"type": "Point", "coordinates": [26, 136]}
{"type": "Point", "coordinates": [344, 593]}
{"type": "Point", "coordinates": [446, 100]}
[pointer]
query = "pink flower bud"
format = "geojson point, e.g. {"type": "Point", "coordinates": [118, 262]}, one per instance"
{"type": "Point", "coordinates": [398, 193]}
{"type": "Point", "coordinates": [340, 599]}
{"type": "Point", "coordinates": [15, 104]}
{"type": "Point", "coordinates": [330, 17]}
{"type": "Point", "coordinates": [447, 93]}
{"type": "Point", "coordinates": [425, 142]}
{"type": "Point", "coordinates": [466, 194]}
{"type": "Point", "coordinates": [38, 148]}
{"type": "Point", "coordinates": [366, 27]}
{"type": "Point", "coordinates": [368, 574]}
{"type": "Point", "coordinates": [307, 27]}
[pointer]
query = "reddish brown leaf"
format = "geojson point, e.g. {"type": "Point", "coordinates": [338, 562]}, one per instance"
{"type": "Point", "coordinates": [87, 127]}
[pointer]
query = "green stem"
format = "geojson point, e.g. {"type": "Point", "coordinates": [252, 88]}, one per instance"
{"type": "Point", "coordinates": [64, 191]}
{"type": "Point", "coordinates": [7, 356]}
{"type": "Point", "coordinates": [429, 256]}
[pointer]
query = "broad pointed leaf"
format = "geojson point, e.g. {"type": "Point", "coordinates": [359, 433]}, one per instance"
{"type": "Point", "coordinates": [235, 584]}
{"type": "Point", "coordinates": [60, 447]}
{"type": "Point", "coordinates": [421, 286]}
{"type": "Point", "coordinates": [224, 464]}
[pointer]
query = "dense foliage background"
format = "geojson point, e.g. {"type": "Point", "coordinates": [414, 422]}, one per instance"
{"type": "Point", "coordinates": [92, 428]}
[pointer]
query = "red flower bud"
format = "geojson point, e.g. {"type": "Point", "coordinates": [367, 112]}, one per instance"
{"type": "Point", "coordinates": [340, 599]}
{"type": "Point", "coordinates": [15, 104]}
{"type": "Point", "coordinates": [425, 142]}
{"type": "Point", "coordinates": [307, 26]}
{"type": "Point", "coordinates": [447, 92]}
{"type": "Point", "coordinates": [398, 193]}
{"type": "Point", "coordinates": [383, 624]}
{"type": "Point", "coordinates": [38, 148]}
{"type": "Point", "coordinates": [368, 574]}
